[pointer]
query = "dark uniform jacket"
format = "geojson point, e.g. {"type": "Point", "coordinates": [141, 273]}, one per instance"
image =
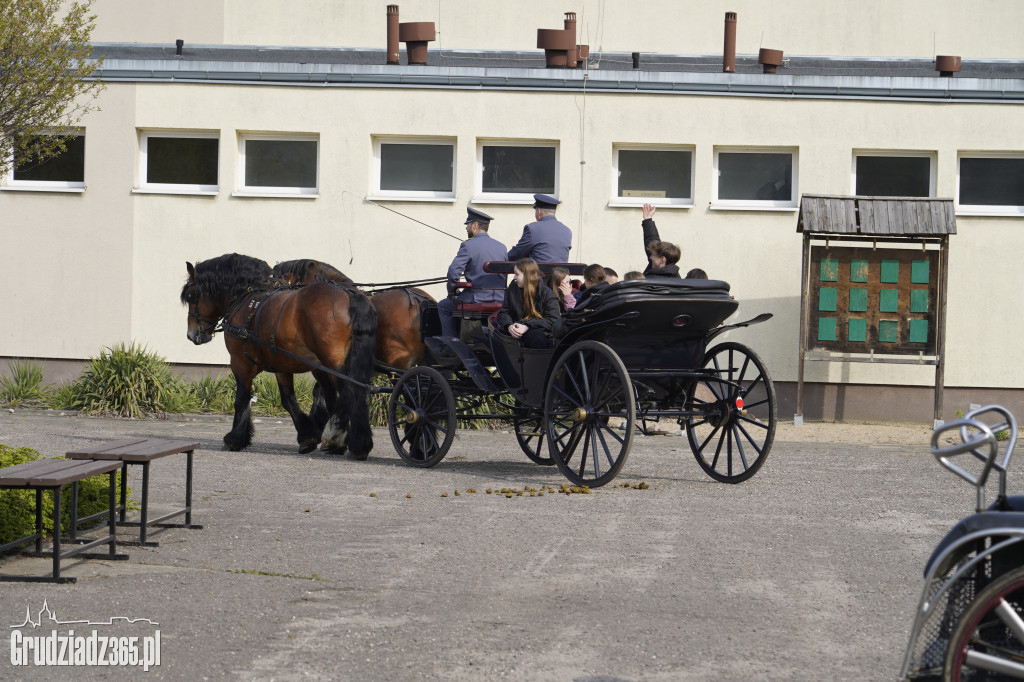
{"type": "Point", "coordinates": [545, 302]}
{"type": "Point", "coordinates": [545, 241]}
{"type": "Point", "coordinates": [651, 235]}
{"type": "Point", "coordinates": [469, 262]}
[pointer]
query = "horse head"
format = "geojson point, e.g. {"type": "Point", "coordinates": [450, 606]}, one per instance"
{"type": "Point", "coordinates": [212, 288]}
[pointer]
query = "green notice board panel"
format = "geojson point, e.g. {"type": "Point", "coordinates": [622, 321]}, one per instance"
{"type": "Point", "coordinates": [866, 299]}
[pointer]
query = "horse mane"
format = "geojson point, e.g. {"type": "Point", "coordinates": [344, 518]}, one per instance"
{"type": "Point", "coordinates": [307, 271]}
{"type": "Point", "coordinates": [231, 274]}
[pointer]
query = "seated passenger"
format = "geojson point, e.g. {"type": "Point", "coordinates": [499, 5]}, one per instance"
{"type": "Point", "coordinates": [610, 275]}
{"type": "Point", "coordinates": [530, 308]}
{"type": "Point", "coordinates": [663, 256]}
{"type": "Point", "coordinates": [558, 281]}
{"type": "Point", "coordinates": [593, 281]}
{"type": "Point", "coordinates": [633, 274]}
{"type": "Point", "coordinates": [696, 273]}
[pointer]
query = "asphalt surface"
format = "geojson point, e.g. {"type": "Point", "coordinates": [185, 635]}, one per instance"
{"type": "Point", "coordinates": [319, 567]}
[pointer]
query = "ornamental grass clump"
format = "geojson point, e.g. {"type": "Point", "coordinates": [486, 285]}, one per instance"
{"type": "Point", "coordinates": [127, 381]}
{"type": "Point", "coordinates": [24, 386]}
{"type": "Point", "coordinates": [18, 507]}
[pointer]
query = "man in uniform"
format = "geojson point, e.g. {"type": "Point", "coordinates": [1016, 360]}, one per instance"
{"type": "Point", "coordinates": [479, 248]}
{"type": "Point", "coordinates": [546, 240]}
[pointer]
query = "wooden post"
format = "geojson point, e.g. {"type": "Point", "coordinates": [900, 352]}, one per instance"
{"type": "Point", "coordinates": [798, 418]}
{"type": "Point", "coordinates": [940, 330]}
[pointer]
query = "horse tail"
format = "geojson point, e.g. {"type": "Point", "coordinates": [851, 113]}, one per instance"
{"type": "Point", "coordinates": [359, 365]}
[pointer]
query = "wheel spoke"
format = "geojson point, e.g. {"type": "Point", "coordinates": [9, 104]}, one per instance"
{"type": "Point", "coordinates": [708, 440]}
{"type": "Point", "coordinates": [607, 450]}
{"type": "Point", "coordinates": [734, 437]}
{"type": "Point", "coordinates": [754, 421]}
{"type": "Point", "coordinates": [750, 440]}
{"type": "Point", "coordinates": [592, 432]}
{"type": "Point", "coordinates": [611, 432]}
{"type": "Point", "coordinates": [583, 455]}
{"type": "Point", "coordinates": [569, 397]}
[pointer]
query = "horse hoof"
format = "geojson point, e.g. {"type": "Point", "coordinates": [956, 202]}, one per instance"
{"type": "Point", "coordinates": [360, 457]}
{"type": "Point", "coordinates": [308, 446]}
{"type": "Point", "coordinates": [335, 450]}
{"type": "Point", "coordinates": [232, 447]}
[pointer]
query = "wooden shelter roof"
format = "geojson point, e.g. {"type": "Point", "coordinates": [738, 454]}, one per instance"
{"type": "Point", "coordinates": [881, 216]}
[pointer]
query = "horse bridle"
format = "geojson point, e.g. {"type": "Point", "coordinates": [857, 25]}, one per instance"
{"type": "Point", "coordinates": [213, 325]}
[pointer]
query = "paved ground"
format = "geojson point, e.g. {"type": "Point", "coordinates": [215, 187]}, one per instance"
{"type": "Point", "coordinates": [317, 567]}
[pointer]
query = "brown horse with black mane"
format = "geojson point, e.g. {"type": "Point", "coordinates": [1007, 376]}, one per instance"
{"type": "Point", "coordinates": [325, 328]}
{"type": "Point", "coordinates": [399, 343]}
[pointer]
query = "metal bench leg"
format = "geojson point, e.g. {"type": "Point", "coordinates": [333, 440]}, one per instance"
{"type": "Point", "coordinates": [57, 518]}
{"type": "Point", "coordinates": [145, 503]}
{"type": "Point", "coordinates": [124, 490]}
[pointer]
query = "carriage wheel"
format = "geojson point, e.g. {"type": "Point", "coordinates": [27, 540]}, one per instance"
{"type": "Point", "coordinates": [589, 385]}
{"type": "Point", "coordinates": [734, 432]}
{"type": "Point", "coordinates": [988, 642]}
{"type": "Point", "coordinates": [421, 416]}
{"type": "Point", "coordinates": [530, 434]}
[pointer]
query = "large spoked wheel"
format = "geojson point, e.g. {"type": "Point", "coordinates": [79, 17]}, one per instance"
{"type": "Point", "coordinates": [733, 433]}
{"type": "Point", "coordinates": [988, 642]}
{"type": "Point", "coordinates": [588, 392]}
{"type": "Point", "coordinates": [529, 428]}
{"type": "Point", "coordinates": [421, 416]}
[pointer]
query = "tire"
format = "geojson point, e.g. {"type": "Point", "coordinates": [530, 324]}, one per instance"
{"type": "Point", "coordinates": [731, 442]}
{"type": "Point", "coordinates": [587, 386]}
{"type": "Point", "coordinates": [529, 430]}
{"type": "Point", "coordinates": [990, 634]}
{"type": "Point", "coordinates": [421, 417]}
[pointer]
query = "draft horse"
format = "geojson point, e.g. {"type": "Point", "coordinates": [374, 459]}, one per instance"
{"type": "Point", "coordinates": [286, 331]}
{"type": "Point", "coordinates": [399, 342]}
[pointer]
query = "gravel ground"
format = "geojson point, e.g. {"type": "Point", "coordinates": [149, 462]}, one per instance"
{"type": "Point", "coordinates": [319, 567]}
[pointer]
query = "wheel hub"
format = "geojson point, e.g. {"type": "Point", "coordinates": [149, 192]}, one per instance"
{"type": "Point", "coordinates": [580, 414]}
{"type": "Point", "coordinates": [413, 416]}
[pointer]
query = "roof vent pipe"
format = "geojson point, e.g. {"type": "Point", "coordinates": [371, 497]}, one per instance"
{"type": "Point", "coordinates": [636, 60]}
{"type": "Point", "coordinates": [393, 35]}
{"type": "Point", "coordinates": [179, 44]}
{"type": "Point", "coordinates": [946, 65]}
{"type": "Point", "coordinates": [769, 59]}
{"type": "Point", "coordinates": [416, 35]}
{"type": "Point", "coordinates": [570, 28]}
{"type": "Point", "coordinates": [582, 53]}
{"type": "Point", "coordinates": [729, 49]}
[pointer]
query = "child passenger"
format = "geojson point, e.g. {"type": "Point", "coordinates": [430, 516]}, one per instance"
{"type": "Point", "coordinates": [558, 281]}
{"type": "Point", "coordinates": [530, 309]}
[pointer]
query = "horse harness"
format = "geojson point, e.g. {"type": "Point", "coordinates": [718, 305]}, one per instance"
{"type": "Point", "coordinates": [247, 331]}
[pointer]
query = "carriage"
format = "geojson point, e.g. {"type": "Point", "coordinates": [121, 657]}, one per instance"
{"type": "Point", "coordinates": [635, 356]}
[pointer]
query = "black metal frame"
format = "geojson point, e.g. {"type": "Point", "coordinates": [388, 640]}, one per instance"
{"type": "Point", "coordinates": [80, 549]}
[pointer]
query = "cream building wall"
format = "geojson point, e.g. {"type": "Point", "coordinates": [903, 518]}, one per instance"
{"type": "Point", "coordinates": [107, 265]}
{"type": "Point", "coordinates": [870, 28]}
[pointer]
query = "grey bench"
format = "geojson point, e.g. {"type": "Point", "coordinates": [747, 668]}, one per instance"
{"type": "Point", "coordinates": [142, 451]}
{"type": "Point", "coordinates": [54, 474]}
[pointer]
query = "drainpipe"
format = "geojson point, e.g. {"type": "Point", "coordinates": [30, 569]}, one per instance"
{"type": "Point", "coordinates": [393, 35]}
{"type": "Point", "coordinates": [729, 49]}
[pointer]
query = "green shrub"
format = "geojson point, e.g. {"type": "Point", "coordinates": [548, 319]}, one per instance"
{"type": "Point", "coordinates": [212, 394]}
{"type": "Point", "coordinates": [127, 381]}
{"type": "Point", "coordinates": [63, 397]}
{"type": "Point", "coordinates": [268, 395]}
{"type": "Point", "coordinates": [18, 507]}
{"type": "Point", "coordinates": [24, 386]}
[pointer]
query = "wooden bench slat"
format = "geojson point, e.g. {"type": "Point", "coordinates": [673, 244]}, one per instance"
{"type": "Point", "coordinates": [53, 472]}
{"type": "Point", "coordinates": [104, 447]}
{"type": "Point", "coordinates": [87, 469]}
{"type": "Point", "coordinates": [136, 451]}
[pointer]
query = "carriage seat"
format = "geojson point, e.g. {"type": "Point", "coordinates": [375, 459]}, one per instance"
{"type": "Point", "coordinates": [1008, 522]}
{"type": "Point", "coordinates": [475, 310]}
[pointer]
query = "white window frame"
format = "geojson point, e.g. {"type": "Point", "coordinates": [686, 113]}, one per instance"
{"type": "Point", "coordinates": [482, 197]}
{"type": "Point", "coordinates": [412, 195]}
{"type": "Point", "coordinates": [10, 184]}
{"type": "Point", "coordinates": [930, 155]}
{"type": "Point", "coordinates": [281, 192]}
{"type": "Point", "coordinates": [755, 204]}
{"type": "Point", "coordinates": [660, 202]}
{"type": "Point", "coordinates": [146, 187]}
{"type": "Point", "coordinates": [983, 209]}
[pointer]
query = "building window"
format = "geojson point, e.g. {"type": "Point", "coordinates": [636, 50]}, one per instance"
{"type": "Point", "coordinates": [63, 172]}
{"type": "Point", "coordinates": [662, 176]}
{"type": "Point", "coordinates": [414, 168]}
{"type": "Point", "coordinates": [894, 174]}
{"type": "Point", "coordinates": [279, 165]}
{"type": "Point", "coordinates": [513, 171]}
{"type": "Point", "coordinates": [178, 162]}
{"type": "Point", "coordinates": [991, 184]}
{"type": "Point", "coordinates": [755, 178]}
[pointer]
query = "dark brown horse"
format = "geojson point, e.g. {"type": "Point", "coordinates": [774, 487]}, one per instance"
{"type": "Point", "coordinates": [399, 343]}
{"type": "Point", "coordinates": [286, 331]}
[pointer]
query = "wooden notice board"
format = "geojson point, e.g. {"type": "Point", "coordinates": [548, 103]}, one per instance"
{"type": "Point", "coordinates": [866, 300]}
